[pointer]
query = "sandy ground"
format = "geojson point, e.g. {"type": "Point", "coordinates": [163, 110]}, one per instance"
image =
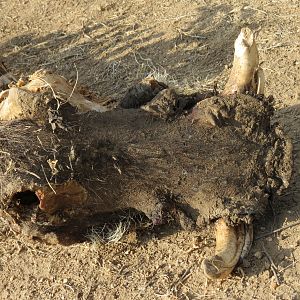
{"type": "Point", "coordinates": [188, 44]}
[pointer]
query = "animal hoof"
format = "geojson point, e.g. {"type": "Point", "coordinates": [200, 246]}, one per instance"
{"type": "Point", "coordinates": [232, 243]}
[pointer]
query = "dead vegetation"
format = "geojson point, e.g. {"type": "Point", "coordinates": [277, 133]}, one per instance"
{"type": "Point", "coordinates": [128, 271]}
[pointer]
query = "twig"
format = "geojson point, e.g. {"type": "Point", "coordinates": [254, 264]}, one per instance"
{"type": "Point", "coordinates": [79, 57]}
{"type": "Point", "coordinates": [31, 173]}
{"type": "Point", "coordinates": [187, 273]}
{"type": "Point", "coordinates": [274, 215]}
{"type": "Point", "coordinates": [278, 45]}
{"type": "Point", "coordinates": [273, 266]}
{"type": "Point", "coordinates": [4, 152]}
{"type": "Point", "coordinates": [178, 18]}
{"type": "Point", "coordinates": [277, 230]}
{"type": "Point", "coordinates": [201, 37]}
{"type": "Point", "coordinates": [74, 87]}
{"type": "Point", "coordinates": [253, 8]}
{"type": "Point", "coordinates": [38, 138]}
{"type": "Point", "coordinates": [48, 84]}
{"type": "Point", "coordinates": [51, 187]}
{"type": "Point", "coordinates": [288, 266]}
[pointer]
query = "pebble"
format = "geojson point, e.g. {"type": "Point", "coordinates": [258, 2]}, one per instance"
{"type": "Point", "coordinates": [258, 254]}
{"type": "Point", "coordinates": [267, 265]}
{"type": "Point", "coordinates": [273, 284]}
{"type": "Point", "coordinates": [269, 239]}
{"type": "Point", "coordinates": [281, 256]}
{"type": "Point", "coordinates": [283, 236]}
{"type": "Point", "coordinates": [246, 263]}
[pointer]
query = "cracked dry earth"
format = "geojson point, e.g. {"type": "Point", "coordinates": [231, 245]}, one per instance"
{"type": "Point", "coordinates": [187, 44]}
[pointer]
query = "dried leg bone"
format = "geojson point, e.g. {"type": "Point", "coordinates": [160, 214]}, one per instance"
{"type": "Point", "coordinates": [232, 243]}
{"type": "Point", "coordinates": [245, 66]}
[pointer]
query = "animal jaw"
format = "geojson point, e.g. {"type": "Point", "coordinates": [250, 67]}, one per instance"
{"type": "Point", "coordinates": [245, 76]}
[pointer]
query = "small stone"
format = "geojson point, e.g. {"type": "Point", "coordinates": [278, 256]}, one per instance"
{"type": "Point", "coordinates": [135, 26]}
{"type": "Point", "coordinates": [246, 263]}
{"type": "Point", "coordinates": [258, 254]}
{"type": "Point", "coordinates": [269, 239]}
{"type": "Point", "coordinates": [280, 256]}
{"type": "Point", "coordinates": [273, 284]}
{"type": "Point", "coordinates": [266, 274]}
{"type": "Point", "coordinates": [267, 265]}
{"type": "Point", "coordinates": [283, 236]}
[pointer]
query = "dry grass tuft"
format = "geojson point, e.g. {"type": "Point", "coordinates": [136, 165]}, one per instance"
{"type": "Point", "coordinates": [111, 233]}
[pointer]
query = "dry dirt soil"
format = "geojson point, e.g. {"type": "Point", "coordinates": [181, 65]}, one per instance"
{"type": "Point", "coordinates": [189, 44]}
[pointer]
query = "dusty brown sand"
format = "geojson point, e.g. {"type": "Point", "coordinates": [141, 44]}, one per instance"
{"type": "Point", "coordinates": [114, 44]}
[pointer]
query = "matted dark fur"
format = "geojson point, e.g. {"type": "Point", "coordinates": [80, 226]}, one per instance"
{"type": "Point", "coordinates": [224, 159]}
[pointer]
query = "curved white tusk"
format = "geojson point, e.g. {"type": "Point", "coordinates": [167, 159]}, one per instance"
{"type": "Point", "coordinates": [260, 81]}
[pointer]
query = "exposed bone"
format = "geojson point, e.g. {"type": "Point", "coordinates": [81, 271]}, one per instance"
{"type": "Point", "coordinates": [15, 104]}
{"type": "Point", "coordinates": [245, 66]}
{"type": "Point", "coordinates": [232, 243]}
{"type": "Point", "coordinates": [43, 79]}
{"type": "Point", "coordinates": [19, 102]}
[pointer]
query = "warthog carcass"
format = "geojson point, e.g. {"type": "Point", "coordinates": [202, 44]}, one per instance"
{"type": "Point", "coordinates": [198, 160]}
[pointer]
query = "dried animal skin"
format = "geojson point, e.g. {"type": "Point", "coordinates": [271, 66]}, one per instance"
{"type": "Point", "coordinates": [222, 162]}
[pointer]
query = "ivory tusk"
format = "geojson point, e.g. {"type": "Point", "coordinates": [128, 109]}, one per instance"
{"type": "Point", "coordinates": [245, 64]}
{"type": "Point", "coordinates": [259, 87]}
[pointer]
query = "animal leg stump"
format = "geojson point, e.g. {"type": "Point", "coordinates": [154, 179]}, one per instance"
{"type": "Point", "coordinates": [222, 161]}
